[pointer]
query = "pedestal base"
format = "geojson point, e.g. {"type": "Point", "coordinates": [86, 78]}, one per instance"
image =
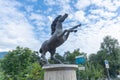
{"type": "Point", "coordinates": [60, 72]}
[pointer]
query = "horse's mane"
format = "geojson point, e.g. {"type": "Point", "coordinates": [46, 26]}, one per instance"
{"type": "Point", "coordinates": [53, 25]}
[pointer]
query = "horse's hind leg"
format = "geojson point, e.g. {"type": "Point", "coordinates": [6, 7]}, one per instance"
{"type": "Point", "coordinates": [53, 57]}
{"type": "Point", "coordinates": [43, 59]}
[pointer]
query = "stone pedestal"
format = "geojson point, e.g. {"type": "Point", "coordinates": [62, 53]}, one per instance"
{"type": "Point", "coordinates": [60, 72]}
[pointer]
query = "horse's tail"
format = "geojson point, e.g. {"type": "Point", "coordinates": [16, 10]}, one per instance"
{"type": "Point", "coordinates": [43, 47]}
{"type": "Point", "coordinates": [40, 50]}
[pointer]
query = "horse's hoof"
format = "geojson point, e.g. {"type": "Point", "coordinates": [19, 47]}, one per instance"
{"type": "Point", "coordinates": [75, 30]}
{"type": "Point", "coordinates": [79, 25]}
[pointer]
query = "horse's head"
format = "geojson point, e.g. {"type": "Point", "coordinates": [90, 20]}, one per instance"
{"type": "Point", "coordinates": [62, 18]}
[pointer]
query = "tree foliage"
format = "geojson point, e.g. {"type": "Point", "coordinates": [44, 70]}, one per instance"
{"type": "Point", "coordinates": [22, 63]}
{"type": "Point", "coordinates": [70, 57]}
{"type": "Point", "coordinates": [19, 63]}
{"type": "Point", "coordinates": [110, 51]}
{"type": "Point", "coordinates": [1, 72]}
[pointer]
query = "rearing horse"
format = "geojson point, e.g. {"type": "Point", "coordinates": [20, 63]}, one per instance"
{"type": "Point", "coordinates": [58, 38]}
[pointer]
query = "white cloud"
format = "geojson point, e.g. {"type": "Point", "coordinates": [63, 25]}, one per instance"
{"type": "Point", "coordinates": [82, 4]}
{"type": "Point", "coordinates": [15, 29]}
{"type": "Point", "coordinates": [89, 39]}
{"type": "Point", "coordinates": [38, 20]}
{"type": "Point", "coordinates": [50, 18]}
{"type": "Point", "coordinates": [103, 13]}
{"type": "Point", "coordinates": [80, 16]}
{"type": "Point", "coordinates": [29, 8]}
{"type": "Point", "coordinates": [50, 2]}
{"type": "Point", "coordinates": [100, 21]}
{"type": "Point", "coordinates": [62, 5]}
{"type": "Point", "coordinates": [97, 2]}
{"type": "Point", "coordinates": [65, 6]}
{"type": "Point", "coordinates": [110, 5]}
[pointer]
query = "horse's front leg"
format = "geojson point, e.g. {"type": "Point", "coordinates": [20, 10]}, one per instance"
{"type": "Point", "coordinates": [69, 30]}
{"type": "Point", "coordinates": [75, 27]}
{"type": "Point", "coordinates": [66, 33]}
{"type": "Point", "coordinates": [63, 33]}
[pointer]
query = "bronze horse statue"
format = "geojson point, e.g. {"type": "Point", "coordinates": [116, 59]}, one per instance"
{"type": "Point", "coordinates": [59, 36]}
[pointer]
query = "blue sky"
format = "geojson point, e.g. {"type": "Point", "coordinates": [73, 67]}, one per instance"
{"type": "Point", "coordinates": [27, 23]}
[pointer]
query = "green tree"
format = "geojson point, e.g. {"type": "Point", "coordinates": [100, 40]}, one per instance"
{"type": "Point", "coordinates": [1, 72]}
{"type": "Point", "coordinates": [110, 51]}
{"type": "Point", "coordinates": [111, 48]}
{"type": "Point", "coordinates": [93, 70]}
{"type": "Point", "coordinates": [32, 72]}
{"type": "Point", "coordinates": [16, 62]}
{"type": "Point", "coordinates": [93, 59]}
{"type": "Point", "coordinates": [70, 57]}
